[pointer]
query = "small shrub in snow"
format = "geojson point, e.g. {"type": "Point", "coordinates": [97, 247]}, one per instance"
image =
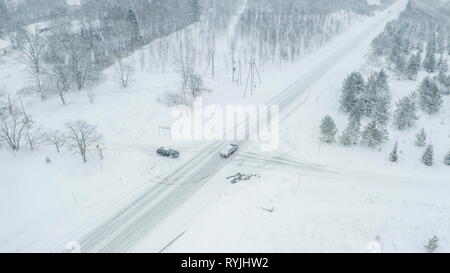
{"type": "Point", "coordinates": [432, 245]}
{"type": "Point", "coordinates": [394, 154]}
{"type": "Point", "coordinates": [421, 138]}
{"type": "Point", "coordinates": [172, 99]}
{"type": "Point", "coordinates": [47, 160]}
{"type": "Point", "coordinates": [328, 130]}
{"type": "Point", "coordinates": [428, 156]}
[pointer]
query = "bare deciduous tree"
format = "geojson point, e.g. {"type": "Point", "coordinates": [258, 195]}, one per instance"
{"type": "Point", "coordinates": [184, 68]}
{"type": "Point", "coordinates": [41, 84]}
{"type": "Point", "coordinates": [61, 79]}
{"type": "Point", "coordinates": [82, 137]}
{"type": "Point", "coordinates": [35, 137]}
{"type": "Point", "coordinates": [195, 83]}
{"type": "Point", "coordinates": [123, 72]}
{"type": "Point", "coordinates": [190, 80]}
{"type": "Point", "coordinates": [56, 138]}
{"type": "Point", "coordinates": [32, 49]}
{"type": "Point", "coordinates": [13, 125]}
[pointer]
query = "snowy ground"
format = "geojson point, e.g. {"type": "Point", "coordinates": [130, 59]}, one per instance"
{"type": "Point", "coordinates": [344, 198]}
{"type": "Point", "coordinates": [364, 197]}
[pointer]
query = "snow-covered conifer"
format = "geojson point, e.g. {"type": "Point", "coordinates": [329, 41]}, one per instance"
{"type": "Point", "coordinates": [421, 138]}
{"type": "Point", "coordinates": [328, 129]}
{"type": "Point", "coordinates": [406, 114]}
{"type": "Point", "coordinates": [429, 63]}
{"type": "Point", "coordinates": [353, 87]}
{"type": "Point", "coordinates": [374, 135]}
{"type": "Point", "coordinates": [432, 245]}
{"type": "Point", "coordinates": [430, 98]}
{"type": "Point", "coordinates": [447, 159]}
{"type": "Point", "coordinates": [351, 134]}
{"type": "Point", "coordinates": [413, 67]}
{"type": "Point", "coordinates": [428, 156]}
{"type": "Point", "coordinates": [442, 65]}
{"type": "Point", "coordinates": [393, 157]}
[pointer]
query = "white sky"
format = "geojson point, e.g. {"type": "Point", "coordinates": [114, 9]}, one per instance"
{"type": "Point", "coordinates": [73, 2]}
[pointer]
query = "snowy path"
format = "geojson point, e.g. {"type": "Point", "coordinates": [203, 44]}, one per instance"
{"type": "Point", "coordinates": [129, 225]}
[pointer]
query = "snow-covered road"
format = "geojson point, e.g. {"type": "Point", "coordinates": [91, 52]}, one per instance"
{"type": "Point", "coordinates": [126, 227]}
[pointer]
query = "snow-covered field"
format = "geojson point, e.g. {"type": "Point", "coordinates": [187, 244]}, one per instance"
{"type": "Point", "coordinates": [324, 197]}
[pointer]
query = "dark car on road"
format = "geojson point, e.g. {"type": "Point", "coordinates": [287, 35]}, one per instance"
{"type": "Point", "coordinates": [168, 152]}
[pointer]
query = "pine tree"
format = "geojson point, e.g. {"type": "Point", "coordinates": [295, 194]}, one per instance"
{"type": "Point", "coordinates": [421, 138]}
{"type": "Point", "coordinates": [328, 129]}
{"type": "Point", "coordinates": [432, 245]}
{"type": "Point", "coordinates": [447, 159]}
{"type": "Point", "coordinates": [428, 156]}
{"type": "Point", "coordinates": [383, 81]}
{"type": "Point", "coordinates": [381, 112]}
{"type": "Point", "coordinates": [353, 87]}
{"type": "Point", "coordinates": [398, 59]}
{"type": "Point", "coordinates": [374, 135]}
{"type": "Point", "coordinates": [351, 134]}
{"type": "Point", "coordinates": [394, 154]}
{"type": "Point", "coordinates": [406, 114]}
{"type": "Point", "coordinates": [376, 98]}
{"type": "Point", "coordinates": [429, 64]}
{"type": "Point", "coordinates": [429, 96]}
{"type": "Point", "coordinates": [442, 65]}
{"type": "Point", "coordinates": [443, 83]}
{"type": "Point", "coordinates": [370, 95]}
{"type": "Point", "coordinates": [413, 67]}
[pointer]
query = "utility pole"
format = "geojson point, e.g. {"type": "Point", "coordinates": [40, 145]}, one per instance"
{"type": "Point", "coordinates": [251, 77]}
{"type": "Point", "coordinates": [28, 124]}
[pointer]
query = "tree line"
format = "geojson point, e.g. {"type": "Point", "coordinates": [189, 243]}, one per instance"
{"type": "Point", "coordinates": [278, 34]}
{"type": "Point", "coordinates": [72, 51]}
{"type": "Point", "coordinates": [371, 100]}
